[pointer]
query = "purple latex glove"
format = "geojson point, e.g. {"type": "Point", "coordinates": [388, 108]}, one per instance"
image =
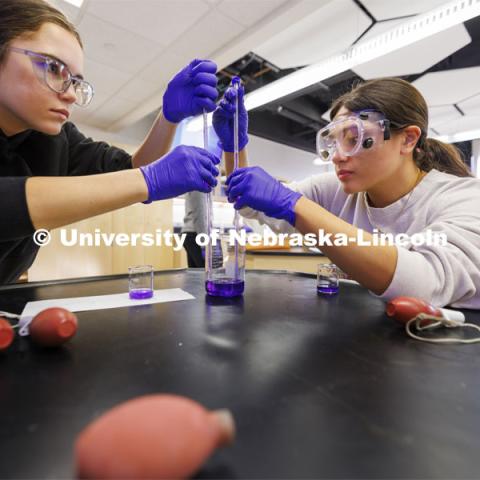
{"type": "Point", "coordinates": [223, 120]}
{"type": "Point", "coordinates": [254, 187]}
{"type": "Point", "coordinates": [191, 91]}
{"type": "Point", "coordinates": [180, 171]}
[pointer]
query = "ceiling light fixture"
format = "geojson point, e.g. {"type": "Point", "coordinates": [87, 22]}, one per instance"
{"type": "Point", "coordinates": [459, 136]}
{"type": "Point", "coordinates": [75, 3]}
{"type": "Point", "coordinates": [418, 28]}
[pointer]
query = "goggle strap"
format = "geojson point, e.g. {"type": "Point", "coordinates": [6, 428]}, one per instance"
{"type": "Point", "coordinates": [386, 129]}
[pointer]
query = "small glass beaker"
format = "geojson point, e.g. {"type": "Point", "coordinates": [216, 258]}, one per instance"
{"type": "Point", "coordinates": [140, 282]}
{"type": "Point", "coordinates": [327, 279]}
{"type": "Point", "coordinates": [225, 266]}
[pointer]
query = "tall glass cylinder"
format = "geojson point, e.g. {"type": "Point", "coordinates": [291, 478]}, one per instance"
{"type": "Point", "coordinates": [224, 253]}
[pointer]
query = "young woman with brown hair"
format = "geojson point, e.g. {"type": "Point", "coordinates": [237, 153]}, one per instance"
{"type": "Point", "coordinates": [52, 175]}
{"type": "Point", "coordinates": [389, 178]}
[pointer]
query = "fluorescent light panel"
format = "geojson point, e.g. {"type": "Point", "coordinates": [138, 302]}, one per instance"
{"type": "Point", "coordinates": [458, 137]}
{"type": "Point", "coordinates": [420, 27]}
{"type": "Point", "coordinates": [76, 3]}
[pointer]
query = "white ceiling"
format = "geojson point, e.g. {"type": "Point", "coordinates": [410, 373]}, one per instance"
{"type": "Point", "coordinates": [316, 36]}
{"type": "Point", "coordinates": [385, 9]}
{"type": "Point", "coordinates": [445, 89]}
{"type": "Point", "coordinates": [133, 47]}
{"type": "Point", "coordinates": [443, 114]}
{"type": "Point", "coordinates": [449, 86]}
{"type": "Point", "coordinates": [415, 58]}
{"type": "Point", "coordinates": [471, 105]}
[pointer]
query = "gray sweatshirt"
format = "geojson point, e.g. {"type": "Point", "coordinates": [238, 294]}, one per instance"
{"type": "Point", "coordinates": [441, 275]}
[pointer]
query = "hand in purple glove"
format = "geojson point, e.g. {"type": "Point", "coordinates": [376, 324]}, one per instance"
{"type": "Point", "coordinates": [182, 170]}
{"type": "Point", "coordinates": [191, 91]}
{"type": "Point", "coordinates": [223, 120]}
{"type": "Point", "coordinates": [255, 188]}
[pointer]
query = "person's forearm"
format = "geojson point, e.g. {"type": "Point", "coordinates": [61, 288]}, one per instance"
{"type": "Point", "coordinates": [229, 161]}
{"type": "Point", "coordinates": [372, 266]}
{"type": "Point", "coordinates": [157, 143]}
{"type": "Point", "coordinates": [57, 201]}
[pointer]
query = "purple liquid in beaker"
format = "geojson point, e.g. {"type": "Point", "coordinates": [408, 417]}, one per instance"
{"type": "Point", "coordinates": [224, 287]}
{"type": "Point", "coordinates": [327, 290]}
{"type": "Point", "coordinates": [141, 293]}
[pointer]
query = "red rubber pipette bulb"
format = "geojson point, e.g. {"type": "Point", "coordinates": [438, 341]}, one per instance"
{"type": "Point", "coordinates": [53, 327]}
{"type": "Point", "coordinates": [404, 309]}
{"type": "Point", "coordinates": [155, 436]}
{"type": "Point", "coordinates": [6, 334]}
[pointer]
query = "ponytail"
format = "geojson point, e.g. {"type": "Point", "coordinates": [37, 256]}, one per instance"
{"type": "Point", "coordinates": [430, 154]}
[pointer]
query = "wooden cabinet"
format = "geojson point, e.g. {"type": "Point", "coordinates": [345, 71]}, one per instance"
{"type": "Point", "coordinates": [56, 260]}
{"type": "Point", "coordinates": [295, 259]}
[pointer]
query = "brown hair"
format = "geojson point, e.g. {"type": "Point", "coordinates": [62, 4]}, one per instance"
{"type": "Point", "coordinates": [404, 105]}
{"type": "Point", "coordinates": [18, 17]}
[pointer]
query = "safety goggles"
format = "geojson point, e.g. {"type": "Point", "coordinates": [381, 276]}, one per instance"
{"type": "Point", "coordinates": [349, 135]}
{"type": "Point", "coordinates": [57, 76]}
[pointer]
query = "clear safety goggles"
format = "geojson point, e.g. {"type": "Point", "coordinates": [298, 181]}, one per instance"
{"type": "Point", "coordinates": [57, 76]}
{"type": "Point", "coordinates": [348, 135]}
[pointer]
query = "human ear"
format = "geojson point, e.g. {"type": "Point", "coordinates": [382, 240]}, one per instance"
{"type": "Point", "coordinates": [410, 134]}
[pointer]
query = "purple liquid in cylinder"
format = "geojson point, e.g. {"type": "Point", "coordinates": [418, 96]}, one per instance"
{"type": "Point", "coordinates": [141, 293]}
{"type": "Point", "coordinates": [224, 288]}
{"type": "Point", "coordinates": [327, 290]}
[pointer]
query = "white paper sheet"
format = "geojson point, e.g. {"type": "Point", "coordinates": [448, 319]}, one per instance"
{"type": "Point", "coordinates": [99, 302]}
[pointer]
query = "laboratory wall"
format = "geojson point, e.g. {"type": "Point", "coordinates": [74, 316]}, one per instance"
{"type": "Point", "coordinates": [282, 161]}
{"type": "Point", "coordinates": [57, 260]}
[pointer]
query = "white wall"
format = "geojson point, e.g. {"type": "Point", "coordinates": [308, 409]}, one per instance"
{"type": "Point", "coordinates": [282, 161]}
{"type": "Point", "coordinates": [127, 141]}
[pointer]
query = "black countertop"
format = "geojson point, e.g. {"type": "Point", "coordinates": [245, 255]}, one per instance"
{"type": "Point", "coordinates": [319, 387]}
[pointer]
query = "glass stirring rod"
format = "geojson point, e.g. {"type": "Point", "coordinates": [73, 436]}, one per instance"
{"type": "Point", "coordinates": [236, 218]}
{"type": "Point", "coordinates": [209, 200]}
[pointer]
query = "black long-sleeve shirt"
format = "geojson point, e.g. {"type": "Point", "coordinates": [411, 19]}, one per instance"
{"type": "Point", "coordinates": [30, 154]}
